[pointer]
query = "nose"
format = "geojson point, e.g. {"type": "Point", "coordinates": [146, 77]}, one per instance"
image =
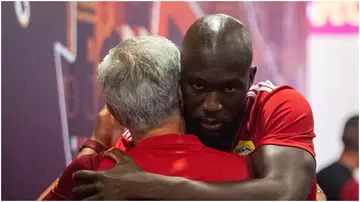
{"type": "Point", "coordinates": [212, 103]}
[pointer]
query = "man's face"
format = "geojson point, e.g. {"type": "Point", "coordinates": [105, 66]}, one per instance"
{"type": "Point", "coordinates": [214, 93]}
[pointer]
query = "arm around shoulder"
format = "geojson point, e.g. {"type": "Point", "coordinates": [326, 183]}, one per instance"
{"type": "Point", "coordinates": [62, 188]}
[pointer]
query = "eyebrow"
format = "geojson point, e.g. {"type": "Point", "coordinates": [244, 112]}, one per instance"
{"type": "Point", "coordinates": [230, 80]}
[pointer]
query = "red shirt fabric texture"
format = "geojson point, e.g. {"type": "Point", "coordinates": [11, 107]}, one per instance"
{"type": "Point", "coordinates": [179, 155]}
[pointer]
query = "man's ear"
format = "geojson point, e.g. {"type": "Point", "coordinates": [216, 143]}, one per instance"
{"type": "Point", "coordinates": [252, 73]}
{"type": "Point", "coordinates": [111, 111]}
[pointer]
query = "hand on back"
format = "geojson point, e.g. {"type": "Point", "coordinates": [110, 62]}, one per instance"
{"type": "Point", "coordinates": [115, 184]}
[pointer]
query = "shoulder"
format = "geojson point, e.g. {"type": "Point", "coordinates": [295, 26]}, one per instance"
{"type": "Point", "coordinates": [334, 174]}
{"type": "Point", "coordinates": [63, 188]}
{"type": "Point", "coordinates": [349, 191]}
{"type": "Point", "coordinates": [96, 162]}
{"type": "Point", "coordinates": [217, 157]}
{"type": "Point", "coordinates": [65, 184]}
{"type": "Point", "coordinates": [280, 115]}
{"type": "Point", "coordinates": [265, 100]}
{"type": "Point", "coordinates": [287, 104]}
{"type": "Point", "coordinates": [124, 143]}
{"type": "Point", "coordinates": [85, 162]}
{"type": "Point", "coordinates": [228, 166]}
{"type": "Point", "coordinates": [266, 92]}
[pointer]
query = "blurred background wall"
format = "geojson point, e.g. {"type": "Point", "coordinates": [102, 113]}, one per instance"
{"type": "Point", "coordinates": [50, 52]}
{"type": "Point", "coordinates": [333, 73]}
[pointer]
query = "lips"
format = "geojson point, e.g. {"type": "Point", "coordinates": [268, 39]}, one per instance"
{"type": "Point", "coordinates": [211, 124]}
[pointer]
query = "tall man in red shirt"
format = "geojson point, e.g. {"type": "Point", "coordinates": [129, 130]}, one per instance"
{"type": "Point", "coordinates": [272, 124]}
{"type": "Point", "coordinates": [139, 80]}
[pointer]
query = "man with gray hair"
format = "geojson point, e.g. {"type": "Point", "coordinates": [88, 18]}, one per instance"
{"type": "Point", "coordinates": [143, 93]}
{"type": "Point", "coordinates": [139, 81]}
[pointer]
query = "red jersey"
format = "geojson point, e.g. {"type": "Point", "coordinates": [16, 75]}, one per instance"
{"type": "Point", "coordinates": [338, 183]}
{"type": "Point", "coordinates": [350, 191]}
{"type": "Point", "coordinates": [276, 115]}
{"type": "Point", "coordinates": [171, 155]}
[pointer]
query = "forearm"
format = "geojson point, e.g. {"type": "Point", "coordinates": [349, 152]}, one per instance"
{"type": "Point", "coordinates": [47, 191]}
{"type": "Point", "coordinates": [256, 189]}
{"type": "Point", "coordinates": [283, 173]}
{"type": "Point", "coordinates": [86, 150]}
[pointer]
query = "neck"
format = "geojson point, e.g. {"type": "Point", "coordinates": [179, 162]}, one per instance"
{"type": "Point", "coordinates": [221, 140]}
{"type": "Point", "coordinates": [349, 159]}
{"type": "Point", "coordinates": [175, 124]}
{"type": "Point", "coordinates": [222, 143]}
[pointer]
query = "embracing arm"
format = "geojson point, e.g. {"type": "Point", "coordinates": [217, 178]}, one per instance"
{"type": "Point", "coordinates": [106, 131]}
{"type": "Point", "coordinates": [283, 173]}
{"type": "Point", "coordinates": [48, 190]}
{"type": "Point", "coordinates": [283, 163]}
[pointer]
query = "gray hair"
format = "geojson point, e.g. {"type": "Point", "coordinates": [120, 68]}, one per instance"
{"type": "Point", "coordinates": [139, 81]}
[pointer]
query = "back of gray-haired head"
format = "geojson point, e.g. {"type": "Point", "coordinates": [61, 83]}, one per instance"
{"type": "Point", "coordinates": [139, 81]}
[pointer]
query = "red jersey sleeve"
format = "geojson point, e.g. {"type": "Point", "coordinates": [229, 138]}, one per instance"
{"type": "Point", "coordinates": [63, 189]}
{"type": "Point", "coordinates": [350, 191]}
{"type": "Point", "coordinates": [286, 119]}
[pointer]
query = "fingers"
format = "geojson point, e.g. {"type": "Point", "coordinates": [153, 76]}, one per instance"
{"type": "Point", "coordinates": [85, 191]}
{"type": "Point", "coordinates": [116, 155]}
{"type": "Point", "coordinates": [86, 176]}
{"type": "Point", "coordinates": [94, 198]}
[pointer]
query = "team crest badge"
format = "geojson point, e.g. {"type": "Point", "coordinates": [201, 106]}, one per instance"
{"type": "Point", "coordinates": [244, 147]}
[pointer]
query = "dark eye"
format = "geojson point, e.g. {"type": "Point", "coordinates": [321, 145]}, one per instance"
{"type": "Point", "coordinates": [198, 86]}
{"type": "Point", "coordinates": [230, 90]}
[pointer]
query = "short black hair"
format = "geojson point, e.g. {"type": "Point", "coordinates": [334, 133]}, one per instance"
{"type": "Point", "coordinates": [350, 136]}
